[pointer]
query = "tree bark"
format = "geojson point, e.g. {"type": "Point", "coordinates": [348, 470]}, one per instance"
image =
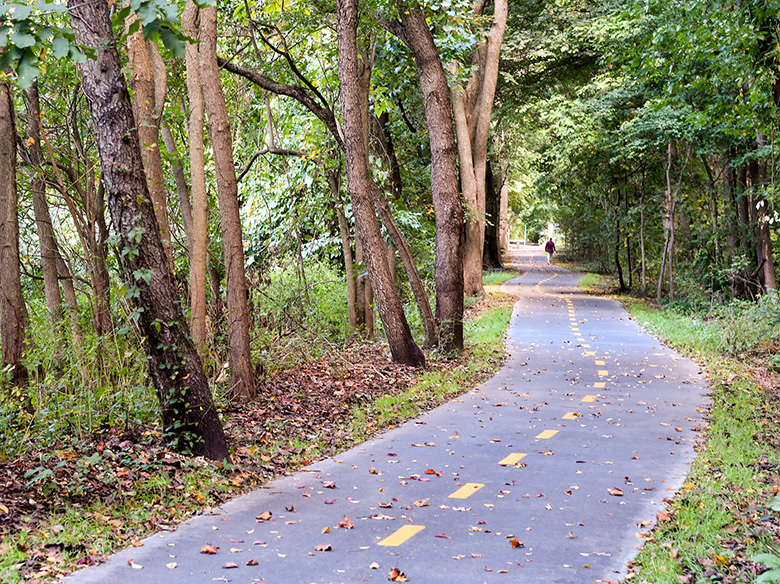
{"type": "Point", "coordinates": [414, 32]}
{"type": "Point", "coordinates": [242, 378]}
{"type": "Point", "coordinates": [334, 181]}
{"type": "Point", "coordinates": [190, 420]}
{"type": "Point", "coordinates": [200, 202]}
{"type": "Point", "coordinates": [473, 107]}
{"type": "Point", "coordinates": [13, 317]}
{"type": "Point", "coordinates": [359, 180]}
{"type": "Point", "coordinates": [46, 241]}
{"type": "Point", "coordinates": [147, 109]}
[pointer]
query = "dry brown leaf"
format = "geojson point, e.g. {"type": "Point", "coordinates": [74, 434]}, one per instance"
{"type": "Point", "coordinates": [230, 565]}
{"type": "Point", "coordinates": [325, 547]}
{"type": "Point", "coordinates": [397, 575]}
{"type": "Point", "coordinates": [516, 543]}
{"type": "Point", "coordinates": [615, 492]}
{"type": "Point", "coordinates": [208, 549]}
{"type": "Point", "coordinates": [264, 516]}
{"type": "Point", "coordinates": [346, 524]}
{"type": "Point", "coordinates": [251, 563]}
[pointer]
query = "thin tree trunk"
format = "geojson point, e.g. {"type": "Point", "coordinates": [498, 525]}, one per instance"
{"type": "Point", "coordinates": [334, 182]}
{"type": "Point", "coordinates": [242, 377]}
{"type": "Point", "coordinates": [190, 421]}
{"type": "Point", "coordinates": [146, 111]}
{"type": "Point", "coordinates": [359, 180]}
{"type": "Point", "coordinates": [200, 202]}
{"type": "Point", "coordinates": [13, 321]}
{"type": "Point", "coordinates": [46, 241]}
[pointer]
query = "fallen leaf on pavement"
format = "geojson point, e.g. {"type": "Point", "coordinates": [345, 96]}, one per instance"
{"type": "Point", "coordinates": [662, 516]}
{"type": "Point", "coordinates": [264, 516]}
{"type": "Point", "coordinates": [516, 543]}
{"type": "Point", "coordinates": [615, 492]}
{"type": "Point", "coordinates": [231, 565]}
{"type": "Point", "coordinates": [442, 535]}
{"type": "Point", "coordinates": [171, 565]}
{"type": "Point", "coordinates": [323, 548]}
{"type": "Point", "coordinates": [346, 524]}
{"type": "Point", "coordinates": [397, 575]}
{"type": "Point", "coordinates": [133, 565]}
{"type": "Point", "coordinates": [430, 471]}
{"type": "Point", "coordinates": [373, 566]}
{"type": "Point", "coordinates": [325, 529]}
{"type": "Point", "coordinates": [251, 563]}
{"type": "Point", "coordinates": [207, 549]}
{"type": "Point", "coordinates": [421, 503]}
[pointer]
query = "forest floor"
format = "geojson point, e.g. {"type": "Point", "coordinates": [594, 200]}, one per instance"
{"type": "Point", "coordinates": [75, 504]}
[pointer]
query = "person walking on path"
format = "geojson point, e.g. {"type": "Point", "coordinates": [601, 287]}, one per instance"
{"type": "Point", "coordinates": [550, 249]}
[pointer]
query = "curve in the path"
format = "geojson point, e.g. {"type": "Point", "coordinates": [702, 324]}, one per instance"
{"type": "Point", "coordinates": [548, 473]}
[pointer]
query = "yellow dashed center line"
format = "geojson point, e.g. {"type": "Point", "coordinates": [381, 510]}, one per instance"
{"type": "Point", "coordinates": [546, 434]}
{"type": "Point", "coordinates": [600, 363]}
{"type": "Point", "coordinates": [466, 491]}
{"type": "Point", "coordinates": [590, 353]}
{"type": "Point", "coordinates": [589, 398]}
{"type": "Point", "coordinates": [603, 373]}
{"type": "Point", "coordinates": [586, 346]}
{"type": "Point", "coordinates": [571, 416]}
{"type": "Point", "coordinates": [513, 459]}
{"type": "Point", "coordinates": [401, 535]}
{"type": "Point", "coordinates": [600, 384]}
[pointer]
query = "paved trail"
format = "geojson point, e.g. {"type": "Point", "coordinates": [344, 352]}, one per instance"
{"type": "Point", "coordinates": [587, 403]}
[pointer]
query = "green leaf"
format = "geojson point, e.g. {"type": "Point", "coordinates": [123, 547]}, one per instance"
{"type": "Point", "coordinates": [23, 40]}
{"type": "Point", "coordinates": [769, 577]}
{"type": "Point", "coordinates": [147, 13]}
{"type": "Point", "coordinates": [51, 7]}
{"type": "Point", "coordinates": [78, 55]}
{"type": "Point", "coordinates": [22, 12]}
{"type": "Point", "coordinates": [27, 69]}
{"type": "Point", "coordinates": [173, 42]}
{"type": "Point", "coordinates": [205, 3]}
{"type": "Point", "coordinates": [774, 503]}
{"type": "Point", "coordinates": [60, 47]}
{"type": "Point", "coordinates": [769, 560]}
{"type": "Point", "coordinates": [4, 35]}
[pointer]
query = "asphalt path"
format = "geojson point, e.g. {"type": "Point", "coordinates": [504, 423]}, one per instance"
{"type": "Point", "coordinates": [551, 472]}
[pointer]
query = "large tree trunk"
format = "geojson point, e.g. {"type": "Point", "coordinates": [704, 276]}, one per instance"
{"type": "Point", "coordinates": [46, 241]}
{"type": "Point", "coordinates": [242, 377]}
{"type": "Point", "coordinates": [200, 203]}
{"type": "Point", "coordinates": [473, 107]}
{"type": "Point", "coordinates": [402, 346]}
{"type": "Point", "coordinates": [12, 310]}
{"type": "Point", "coordinates": [147, 109]}
{"type": "Point", "coordinates": [190, 420]}
{"type": "Point", "coordinates": [414, 32]}
{"type": "Point", "coordinates": [494, 186]}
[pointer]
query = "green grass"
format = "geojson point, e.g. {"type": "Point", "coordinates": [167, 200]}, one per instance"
{"type": "Point", "coordinates": [718, 520]}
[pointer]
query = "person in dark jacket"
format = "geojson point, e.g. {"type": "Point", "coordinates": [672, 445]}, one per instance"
{"type": "Point", "coordinates": [550, 249]}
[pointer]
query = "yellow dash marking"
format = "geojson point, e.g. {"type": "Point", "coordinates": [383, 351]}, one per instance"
{"type": "Point", "coordinates": [581, 341]}
{"type": "Point", "coordinates": [600, 384]}
{"type": "Point", "coordinates": [466, 491]}
{"type": "Point", "coordinates": [513, 458]}
{"type": "Point", "coordinates": [546, 434]}
{"type": "Point", "coordinates": [571, 416]}
{"type": "Point", "coordinates": [603, 372]}
{"type": "Point", "coordinates": [590, 353]}
{"type": "Point", "coordinates": [589, 398]}
{"type": "Point", "coordinates": [401, 535]}
{"type": "Point", "coordinates": [586, 346]}
{"type": "Point", "coordinates": [575, 329]}
{"type": "Point", "coordinates": [600, 363]}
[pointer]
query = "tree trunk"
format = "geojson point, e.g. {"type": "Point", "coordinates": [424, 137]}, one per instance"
{"type": "Point", "coordinates": [190, 420]}
{"type": "Point", "coordinates": [147, 111]}
{"type": "Point", "coordinates": [46, 241]}
{"type": "Point", "coordinates": [493, 186]}
{"type": "Point", "coordinates": [414, 32]}
{"type": "Point", "coordinates": [13, 321]}
{"type": "Point", "coordinates": [473, 108]}
{"type": "Point", "coordinates": [242, 378]}
{"type": "Point", "coordinates": [200, 203]}
{"type": "Point", "coordinates": [359, 180]}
